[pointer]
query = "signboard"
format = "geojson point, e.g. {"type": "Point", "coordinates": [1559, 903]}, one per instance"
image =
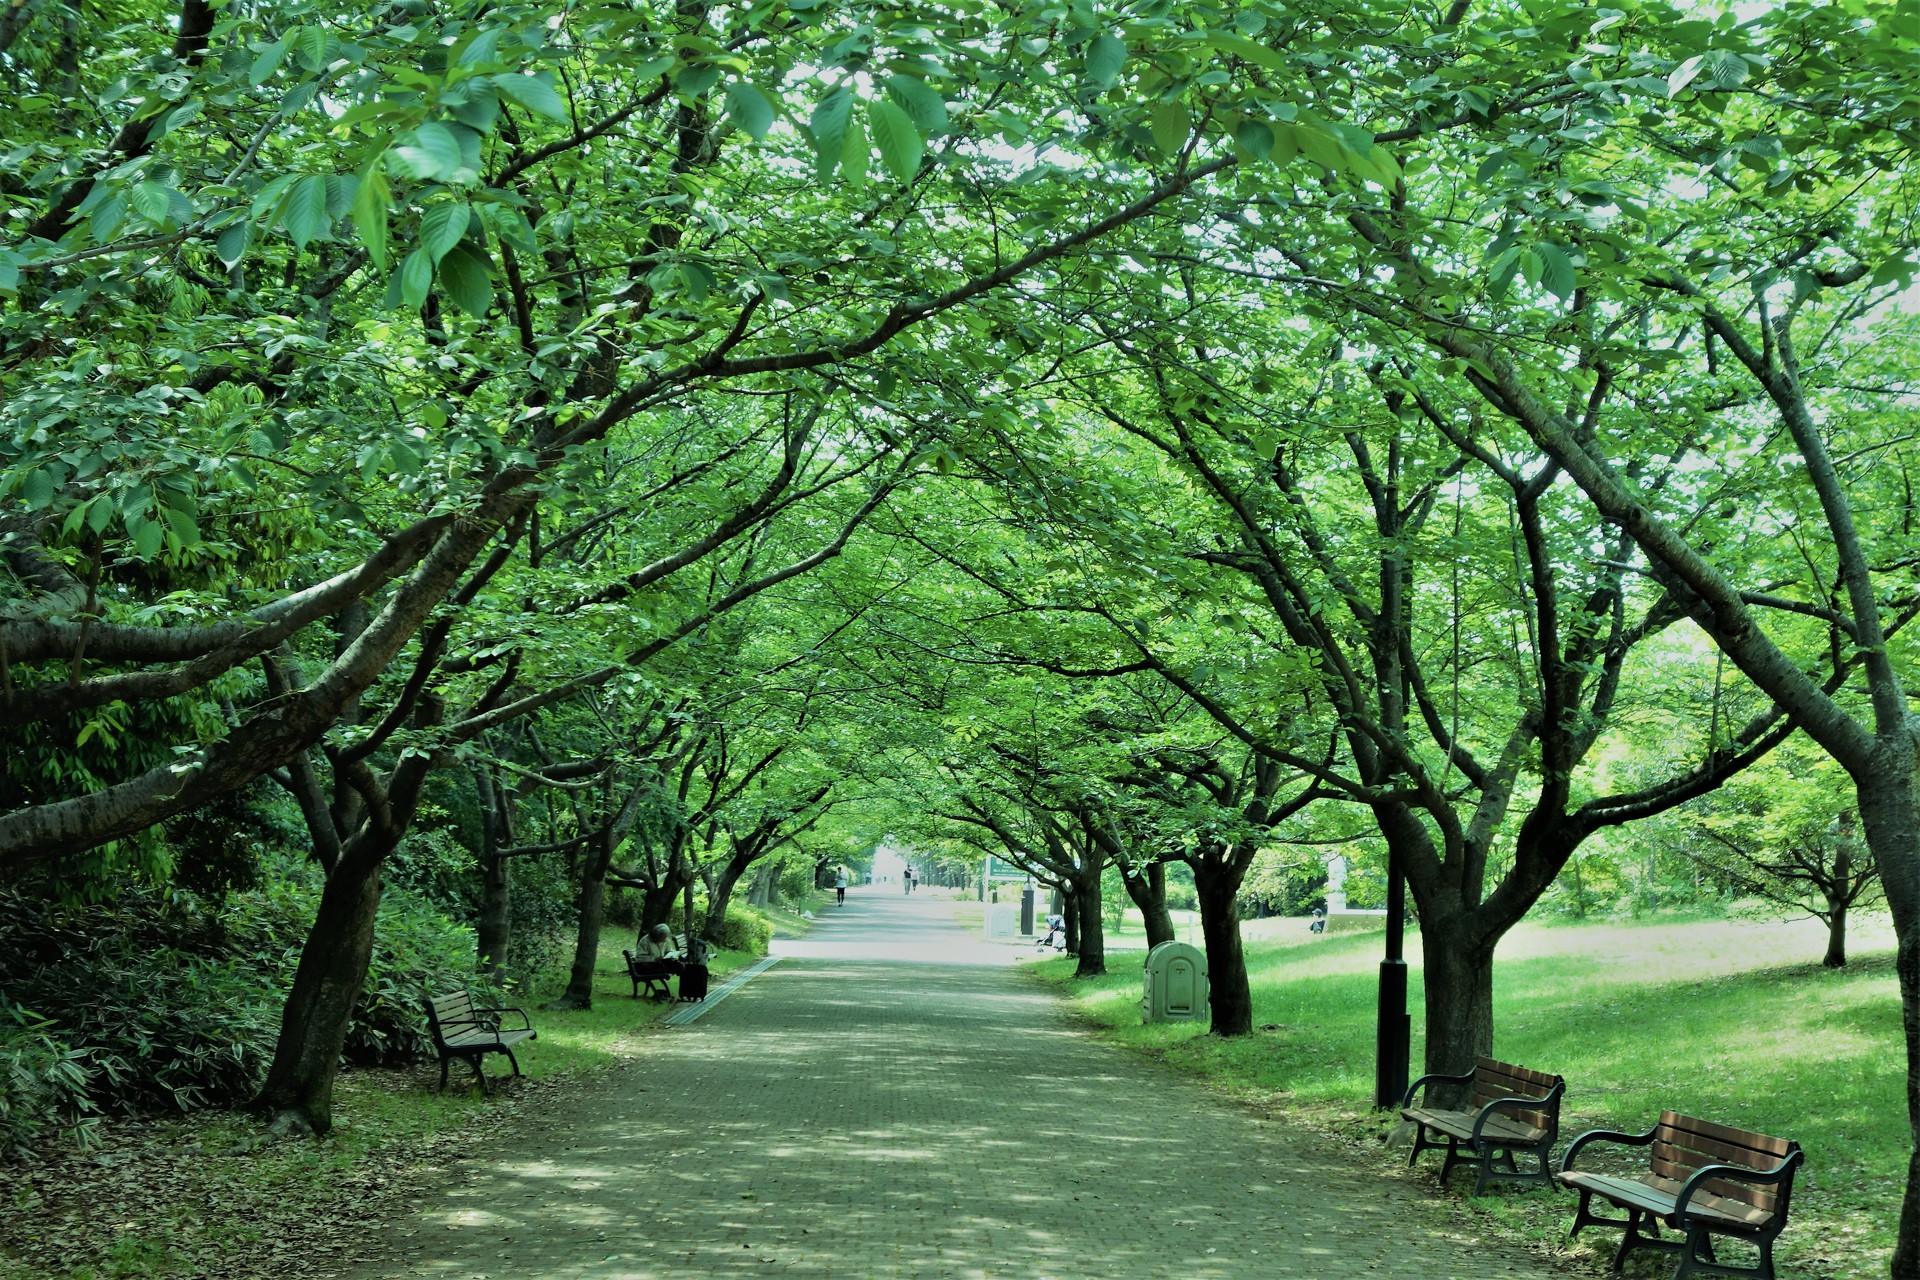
{"type": "Point", "coordinates": [1001, 869]}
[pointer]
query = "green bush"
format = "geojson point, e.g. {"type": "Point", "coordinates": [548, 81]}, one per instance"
{"type": "Point", "coordinates": [743, 929]}
{"type": "Point", "coordinates": [171, 1001]}
{"type": "Point", "coordinates": [43, 1083]}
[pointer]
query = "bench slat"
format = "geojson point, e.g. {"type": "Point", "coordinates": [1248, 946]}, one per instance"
{"type": "Point", "coordinates": [1524, 1080]}
{"type": "Point", "coordinates": [1460, 1125]}
{"type": "Point", "coordinates": [1658, 1196]}
{"type": "Point", "coordinates": [1709, 1131]}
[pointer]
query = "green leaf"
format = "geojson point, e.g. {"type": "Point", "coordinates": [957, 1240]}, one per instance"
{"type": "Point", "coordinates": [1319, 145]}
{"type": "Point", "coordinates": [1106, 55]}
{"type": "Point", "coordinates": [922, 103]}
{"type": "Point", "coordinates": [234, 242]}
{"type": "Point", "coordinates": [1171, 126]}
{"type": "Point", "coordinates": [305, 215]}
{"type": "Point", "coordinates": [150, 201]}
{"type": "Point", "coordinates": [416, 277]}
{"type": "Point", "coordinates": [1557, 275]}
{"type": "Point", "coordinates": [1682, 76]}
{"type": "Point", "coordinates": [1241, 47]}
{"type": "Point", "coordinates": [467, 281]}
{"type": "Point", "coordinates": [535, 93]}
{"type": "Point", "coordinates": [185, 531]}
{"type": "Point", "coordinates": [899, 142]}
{"type": "Point", "coordinates": [431, 153]}
{"type": "Point", "coordinates": [37, 490]}
{"type": "Point", "coordinates": [1500, 273]}
{"type": "Point", "coordinates": [483, 48]}
{"type": "Point", "coordinates": [855, 156]}
{"type": "Point", "coordinates": [1254, 139]}
{"type": "Point", "coordinates": [441, 227]}
{"type": "Point", "coordinates": [370, 212]}
{"type": "Point", "coordinates": [1727, 69]}
{"type": "Point", "coordinates": [1286, 144]}
{"type": "Point", "coordinates": [147, 536]}
{"type": "Point", "coordinates": [828, 128]}
{"type": "Point", "coordinates": [750, 109]}
{"type": "Point", "coordinates": [268, 60]}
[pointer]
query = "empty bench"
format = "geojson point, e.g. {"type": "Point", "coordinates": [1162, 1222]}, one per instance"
{"type": "Point", "coordinates": [1703, 1180]}
{"type": "Point", "coordinates": [1510, 1110]}
{"type": "Point", "coordinates": [462, 1029]}
{"type": "Point", "coordinates": [651, 975]}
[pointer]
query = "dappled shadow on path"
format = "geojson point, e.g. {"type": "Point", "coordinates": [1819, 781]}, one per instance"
{"type": "Point", "coordinates": [860, 1111]}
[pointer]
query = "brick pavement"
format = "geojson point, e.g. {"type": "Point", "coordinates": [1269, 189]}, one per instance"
{"type": "Point", "coordinates": [891, 1101]}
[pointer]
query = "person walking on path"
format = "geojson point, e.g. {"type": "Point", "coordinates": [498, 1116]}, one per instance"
{"type": "Point", "coordinates": [840, 886]}
{"type": "Point", "coordinates": [909, 879]}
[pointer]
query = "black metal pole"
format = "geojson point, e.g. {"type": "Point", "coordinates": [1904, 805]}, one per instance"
{"type": "Point", "coordinates": [1394, 1036]}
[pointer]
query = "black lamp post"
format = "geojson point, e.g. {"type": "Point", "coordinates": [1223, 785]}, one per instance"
{"type": "Point", "coordinates": [1394, 1038]}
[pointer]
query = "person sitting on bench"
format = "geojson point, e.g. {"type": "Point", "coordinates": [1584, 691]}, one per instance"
{"type": "Point", "coordinates": [656, 947]}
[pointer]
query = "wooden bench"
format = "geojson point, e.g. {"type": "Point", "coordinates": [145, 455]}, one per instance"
{"type": "Point", "coordinates": [461, 1029]}
{"type": "Point", "coordinates": [1703, 1179]}
{"type": "Point", "coordinates": [651, 974]}
{"type": "Point", "coordinates": [1512, 1109]}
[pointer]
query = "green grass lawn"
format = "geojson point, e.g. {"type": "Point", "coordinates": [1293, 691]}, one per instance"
{"type": "Point", "coordinates": [1731, 1020]}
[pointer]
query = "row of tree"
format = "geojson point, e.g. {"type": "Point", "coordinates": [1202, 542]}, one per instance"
{"type": "Point", "coordinates": [1101, 436]}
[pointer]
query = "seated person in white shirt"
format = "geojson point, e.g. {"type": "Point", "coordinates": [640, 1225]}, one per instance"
{"type": "Point", "coordinates": [656, 947]}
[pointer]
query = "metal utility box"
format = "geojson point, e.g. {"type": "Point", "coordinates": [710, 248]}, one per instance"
{"type": "Point", "coordinates": [1175, 980]}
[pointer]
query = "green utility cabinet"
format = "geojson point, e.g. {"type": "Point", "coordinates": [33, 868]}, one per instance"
{"type": "Point", "coordinates": [1175, 980]}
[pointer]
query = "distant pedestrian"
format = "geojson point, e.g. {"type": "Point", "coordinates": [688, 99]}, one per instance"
{"type": "Point", "coordinates": [909, 880]}
{"type": "Point", "coordinates": [840, 886]}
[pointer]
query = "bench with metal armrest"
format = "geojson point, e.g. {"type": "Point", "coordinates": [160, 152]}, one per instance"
{"type": "Point", "coordinates": [1702, 1180]}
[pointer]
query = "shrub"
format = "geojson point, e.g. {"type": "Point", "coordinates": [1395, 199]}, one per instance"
{"type": "Point", "coordinates": [172, 1001]}
{"type": "Point", "coordinates": [43, 1083]}
{"type": "Point", "coordinates": [743, 929]}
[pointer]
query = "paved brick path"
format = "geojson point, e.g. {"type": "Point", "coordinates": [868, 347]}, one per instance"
{"type": "Point", "coordinates": [890, 1101]}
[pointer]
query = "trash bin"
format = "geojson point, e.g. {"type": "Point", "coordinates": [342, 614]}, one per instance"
{"type": "Point", "coordinates": [1175, 981]}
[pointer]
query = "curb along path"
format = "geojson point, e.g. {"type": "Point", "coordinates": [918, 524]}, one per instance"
{"type": "Point", "coordinates": [891, 1101]}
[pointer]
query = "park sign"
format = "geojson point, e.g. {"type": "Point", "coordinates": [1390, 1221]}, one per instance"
{"type": "Point", "coordinates": [1000, 869]}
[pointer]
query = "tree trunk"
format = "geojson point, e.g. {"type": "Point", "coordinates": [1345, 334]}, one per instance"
{"type": "Point", "coordinates": [298, 1093]}
{"type": "Point", "coordinates": [656, 903]}
{"type": "Point", "coordinates": [1888, 810]}
{"type": "Point", "coordinates": [1836, 957]}
{"type": "Point", "coordinates": [1070, 912]}
{"type": "Point", "coordinates": [720, 893]}
{"type": "Point", "coordinates": [586, 938]}
{"type": "Point", "coordinates": [1459, 982]}
{"type": "Point", "coordinates": [1148, 889]}
{"type": "Point", "coordinates": [1093, 938]}
{"type": "Point", "coordinates": [1218, 889]}
{"type": "Point", "coordinates": [493, 929]}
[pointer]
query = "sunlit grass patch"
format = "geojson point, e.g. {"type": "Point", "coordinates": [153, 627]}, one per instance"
{"type": "Point", "coordinates": [1731, 1020]}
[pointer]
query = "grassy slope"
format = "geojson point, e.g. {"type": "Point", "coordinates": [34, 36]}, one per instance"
{"type": "Point", "coordinates": [289, 1206]}
{"type": "Point", "coordinates": [1722, 1019]}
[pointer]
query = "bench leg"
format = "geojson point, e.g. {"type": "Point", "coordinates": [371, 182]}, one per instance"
{"type": "Point", "coordinates": [1420, 1143]}
{"type": "Point", "coordinates": [1631, 1238]}
{"type": "Point", "coordinates": [515, 1061]}
{"type": "Point", "coordinates": [444, 1063]}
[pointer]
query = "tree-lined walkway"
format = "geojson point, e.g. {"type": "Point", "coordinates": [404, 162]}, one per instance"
{"type": "Point", "coordinates": [892, 1101]}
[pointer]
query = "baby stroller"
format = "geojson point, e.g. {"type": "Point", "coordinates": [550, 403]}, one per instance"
{"type": "Point", "coordinates": [1056, 938]}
